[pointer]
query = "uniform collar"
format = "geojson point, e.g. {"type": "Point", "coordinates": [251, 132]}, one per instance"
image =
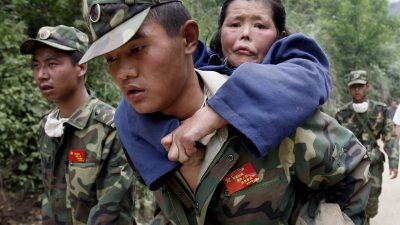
{"type": "Point", "coordinates": [81, 116]}
{"type": "Point", "coordinates": [212, 82]}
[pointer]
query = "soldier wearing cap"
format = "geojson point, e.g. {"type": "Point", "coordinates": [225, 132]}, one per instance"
{"type": "Point", "coordinates": [86, 176]}
{"type": "Point", "coordinates": [370, 121]}
{"type": "Point", "coordinates": [150, 59]}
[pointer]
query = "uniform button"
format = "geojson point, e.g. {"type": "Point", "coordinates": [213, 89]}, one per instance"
{"type": "Point", "coordinates": [163, 188]}
{"type": "Point", "coordinates": [180, 194]}
{"type": "Point", "coordinates": [197, 205]}
{"type": "Point", "coordinates": [230, 157]}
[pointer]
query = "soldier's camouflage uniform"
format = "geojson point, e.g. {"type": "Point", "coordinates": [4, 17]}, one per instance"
{"type": "Point", "coordinates": [96, 191]}
{"type": "Point", "coordinates": [380, 124]}
{"type": "Point", "coordinates": [320, 161]}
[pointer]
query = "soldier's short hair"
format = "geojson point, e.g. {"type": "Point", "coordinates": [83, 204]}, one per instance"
{"type": "Point", "coordinates": [171, 16]}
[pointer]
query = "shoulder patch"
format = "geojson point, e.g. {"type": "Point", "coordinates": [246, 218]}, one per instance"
{"type": "Point", "coordinates": [379, 105]}
{"type": "Point", "coordinates": [345, 107]}
{"type": "Point", "coordinates": [104, 113]}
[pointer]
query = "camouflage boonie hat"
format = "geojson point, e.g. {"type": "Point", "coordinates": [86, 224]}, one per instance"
{"type": "Point", "coordinates": [112, 23]}
{"type": "Point", "coordinates": [357, 77]}
{"type": "Point", "coordinates": [61, 37]}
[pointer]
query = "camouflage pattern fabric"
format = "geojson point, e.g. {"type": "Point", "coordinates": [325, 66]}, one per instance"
{"type": "Point", "coordinates": [357, 77]}
{"type": "Point", "coordinates": [86, 176]}
{"type": "Point", "coordinates": [379, 123]}
{"type": "Point", "coordinates": [60, 37]}
{"type": "Point", "coordinates": [326, 214]}
{"type": "Point", "coordinates": [144, 203]}
{"type": "Point", "coordinates": [381, 126]}
{"type": "Point", "coordinates": [376, 189]}
{"type": "Point", "coordinates": [320, 161]}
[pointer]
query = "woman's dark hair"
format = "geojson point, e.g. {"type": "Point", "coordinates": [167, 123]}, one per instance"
{"type": "Point", "coordinates": [278, 17]}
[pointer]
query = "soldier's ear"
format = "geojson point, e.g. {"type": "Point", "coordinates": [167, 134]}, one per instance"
{"type": "Point", "coordinates": [190, 34]}
{"type": "Point", "coordinates": [82, 68]}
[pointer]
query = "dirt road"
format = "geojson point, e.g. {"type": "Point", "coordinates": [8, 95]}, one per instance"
{"type": "Point", "coordinates": [389, 201]}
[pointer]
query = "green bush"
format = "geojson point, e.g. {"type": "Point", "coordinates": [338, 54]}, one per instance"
{"type": "Point", "coordinates": [21, 105]}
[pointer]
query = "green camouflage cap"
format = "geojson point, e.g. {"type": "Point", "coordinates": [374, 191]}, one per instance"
{"type": "Point", "coordinates": [112, 23]}
{"type": "Point", "coordinates": [357, 77]}
{"type": "Point", "coordinates": [60, 37]}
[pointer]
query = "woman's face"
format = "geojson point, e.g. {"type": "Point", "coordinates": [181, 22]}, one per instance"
{"type": "Point", "coordinates": [248, 32]}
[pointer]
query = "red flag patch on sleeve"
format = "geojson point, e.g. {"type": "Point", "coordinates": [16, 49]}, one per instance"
{"type": "Point", "coordinates": [77, 156]}
{"type": "Point", "coordinates": [240, 178]}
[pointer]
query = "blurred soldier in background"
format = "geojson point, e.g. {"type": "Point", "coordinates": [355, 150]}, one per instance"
{"type": "Point", "coordinates": [392, 107]}
{"type": "Point", "coordinates": [396, 121]}
{"type": "Point", "coordinates": [369, 121]}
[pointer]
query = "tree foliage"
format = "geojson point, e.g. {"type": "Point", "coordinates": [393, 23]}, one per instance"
{"type": "Point", "coordinates": [37, 14]}
{"type": "Point", "coordinates": [205, 12]}
{"type": "Point", "coordinates": [358, 31]}
{"type": "Point", "coordinates": [358, 34]}
{"type": "Point", "coordinates": [302, 16]}
{"type": "Point", "coordinates": [21, 105]}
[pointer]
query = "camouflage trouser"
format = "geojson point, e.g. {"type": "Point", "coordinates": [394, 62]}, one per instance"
{"type": "Point", "coordinates": [376, 171]}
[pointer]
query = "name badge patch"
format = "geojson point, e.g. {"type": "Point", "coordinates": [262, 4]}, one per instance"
{"type": "Point", "coordinates": [77, 156]}
{"type": "Point", "coordinates": [241, 178]}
